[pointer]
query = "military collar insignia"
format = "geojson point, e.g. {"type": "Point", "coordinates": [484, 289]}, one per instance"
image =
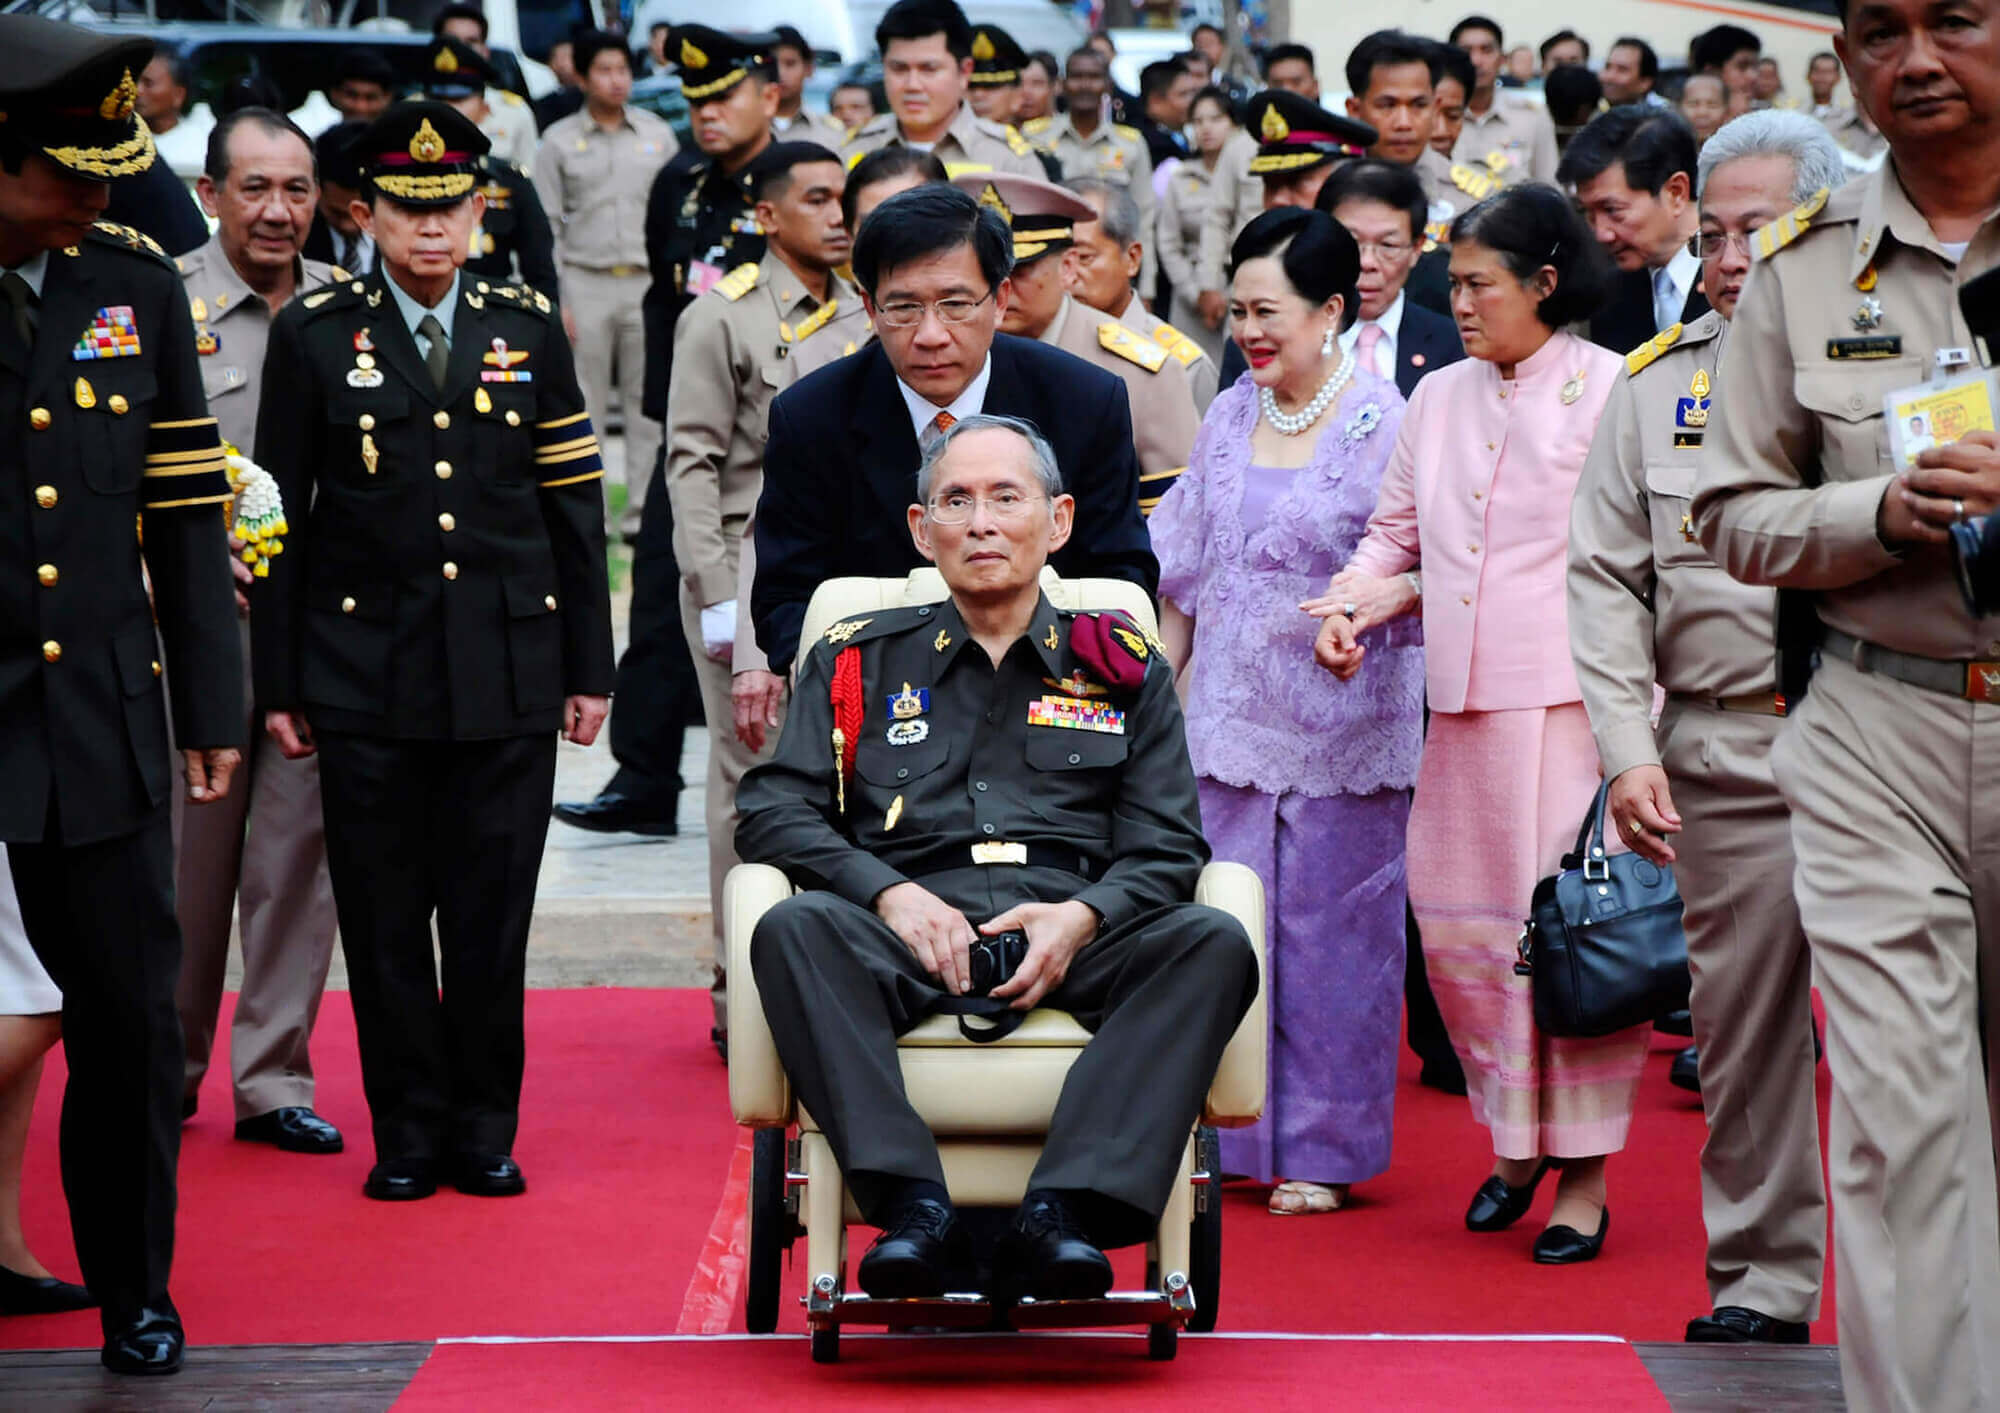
{"type": "Point", "coordinates": [1053, 640]}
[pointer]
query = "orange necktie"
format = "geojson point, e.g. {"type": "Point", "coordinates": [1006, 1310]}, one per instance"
{"type": "Point", "coordinates": [944, 422]}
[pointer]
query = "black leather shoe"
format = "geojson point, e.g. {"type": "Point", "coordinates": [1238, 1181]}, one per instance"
{"type": "Point", "coordinates": [40, 1295]}
{"type": "Point", "coordinates": [923, 1252]}
{"type": "Point", "coordinates": [615, 813]}
{"type": "Point", "coordinates": [152, 1343]}
{"type": "Point", "coordinates": [401, 1180]}
{"type": "Point", "coordinates": [1566, 1246]}
{"type": "Point", "coordinates": [1738, 1324]}
{"type": "Point", "coordinates": [1686, 1071]}
{"type": "Point", "coordinates": [295, 1128]}
{"type": "Point", "coordinates": [1496, 1206]}
{"type": "Point", "coordinates": [1045, 1254]}
{"type": "Point", "coordinates": [1675, 1023]}
{"type": "Point", "coordinates": [488, 1175]}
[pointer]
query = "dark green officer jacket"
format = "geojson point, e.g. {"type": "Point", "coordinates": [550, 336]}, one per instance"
{"type": "Point", "coordinates": [513, 241]}
{"type": "Point", "coordinates": [1116, 806]}
{"type": "Point", "coordinates": [108, 438]}
{"type": "Point", "coordinates": [445, 577]}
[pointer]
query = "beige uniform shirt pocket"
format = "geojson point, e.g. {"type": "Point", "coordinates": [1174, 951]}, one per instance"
{"type": "Point", "coordinates": [1669, 502]}
{"type": "Point", "coordinates": [1846, 400]}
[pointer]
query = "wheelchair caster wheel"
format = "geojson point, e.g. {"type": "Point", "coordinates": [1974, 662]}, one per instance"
{"type": "Point", "coordinates": [1162, 1342]}
{"type": "Point", "coordinates": [826, 1346]}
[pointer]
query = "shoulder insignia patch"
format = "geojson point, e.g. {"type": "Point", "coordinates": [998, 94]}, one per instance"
{"type": "Point", "coordinates": [1116, 338]}
{"type": "Point", "coordinates": [314, 301]}
{"type": "Point", "coordinates": [1125, 130]}
{"type": "Point", "coordinates": [1637, 360]}
{"type": "Point", "coordinates": [130, 238]}
{"type": "Point", "coordinates": [1771, 239]}
{"type": "Point", "coordinates": [1035, 127]}
{"type": "Point", "coordinates": [1476, 185]}
{"type": "Point", "coordinates": [1178, 344]}
{"type": "Point", "coordinates": [739, 281]}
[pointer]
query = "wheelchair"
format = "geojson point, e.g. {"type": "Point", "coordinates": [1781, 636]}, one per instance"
{"type": "Point", "coordinates": [989, 1105]}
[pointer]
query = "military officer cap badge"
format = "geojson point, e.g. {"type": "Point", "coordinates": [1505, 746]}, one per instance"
{"type": "Point", "coordinates": [712, 62]}
{"type": "Point", "coordinates": [1296, 134]}
{"type": "Point", "coordinates": [997, 60]}
{"type": "Point", "coordinates": [421, 153]}
{"type": "Point", "coordinates": [455, 69]}
{"type": "Point", "coordinates": [1043, 215]}
{"type": "Point", "coordinates": [69, 94]}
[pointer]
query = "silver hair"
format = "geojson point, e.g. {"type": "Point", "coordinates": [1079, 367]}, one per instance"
{"type": "Point", "coordinates": [1121, 211]}
{"type": "Point", "coordinates": [1041, 459]}
{"type": "Point", "coordinates": [1776, 132]}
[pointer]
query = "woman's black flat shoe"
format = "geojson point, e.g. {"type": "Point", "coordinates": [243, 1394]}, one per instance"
{"type": "Point", "coordinates": [45, 1295]}
{"type": "Point", "coordinates": [1566, 1246]}
{"type": "Point", "coordinates": [1496, 1206]}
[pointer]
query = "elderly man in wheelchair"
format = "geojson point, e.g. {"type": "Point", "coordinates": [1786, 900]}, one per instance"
{"type": "Point", "coordinates": [988, 807]}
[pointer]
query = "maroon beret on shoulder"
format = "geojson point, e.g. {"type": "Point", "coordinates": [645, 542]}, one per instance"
{"type": "Point", "coordinates": [1111, 650]}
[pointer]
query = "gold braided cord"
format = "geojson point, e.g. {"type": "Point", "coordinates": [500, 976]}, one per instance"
{"type": "Point", "coordinates": [403, 187]}
{"type": "Point", "coordinates": [560, 422]}
{"type": "Point", "coordinates": [134, 154]}
{"type": "Point", "coordinates": [693, 92]}
{"type": "Point", "coordinates": [1288, 161]}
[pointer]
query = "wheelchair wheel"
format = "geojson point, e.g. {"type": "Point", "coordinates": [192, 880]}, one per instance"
{"type": "Point", "coordinates": [826, 1346]}
{"type": "Point", "coordinates": [1205, 1247]}
{"type": "Point", "coordinates": [1162, 1342]}
{"type": "Point", "coordinates": [770, 1231]}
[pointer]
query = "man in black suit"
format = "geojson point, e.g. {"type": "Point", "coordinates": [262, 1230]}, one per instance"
{"type": "Point", "coordinates": [1382, 205]}
{"type": "Point", "coordinates": [1633, 173]}
{"type": "Point", "coordinates": [106, 429]}
{"type": "Point", "coordinates": [840, 466]}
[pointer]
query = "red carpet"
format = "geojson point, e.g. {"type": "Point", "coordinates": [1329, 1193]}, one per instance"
{"type": "Point", "coordinates": [1009, 1374]}
{"type": "Point", "coordinates": [626, 1141]}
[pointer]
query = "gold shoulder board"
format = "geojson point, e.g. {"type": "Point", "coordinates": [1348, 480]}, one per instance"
{"type": "Point", "coordinates": [1178, 344]}
{"type": "Point", "coordinates": [738, 282]}
{"type": "Point", "coordinates": [1789, 227]}
{"type": "Point", "coordinates": [1035, 127]}
{"type": "Point", "coordinates": [1130, 347]}
{"type": "Point", "coordinates": [1645, 353]}
{"type": "Point", "coordinates": [1474, 184]}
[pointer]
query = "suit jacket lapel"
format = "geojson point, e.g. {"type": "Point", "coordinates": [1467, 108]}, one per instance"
{"type": "Point", "coordinates": [886, 451]}
{"type": "Point", "coordinates": [395, 344]}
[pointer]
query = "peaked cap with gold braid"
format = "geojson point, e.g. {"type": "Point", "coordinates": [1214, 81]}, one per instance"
{"type": "Point", "coordinates": [69, 93]}
{"type": "Point", "coordinates": [712, 62]}
{"type": "Point", "coordinates": [1043, 215]}
{"type": "Point", "coordinates": [421, 153]}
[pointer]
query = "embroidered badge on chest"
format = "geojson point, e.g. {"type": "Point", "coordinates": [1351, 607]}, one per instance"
{"type": "Point", "coordinates": [909, 703]}
{"type": "Point", "coordinates": [113, 333]}
{"type": "Point", "coordinates": [503, 365]}
{"type": "Point", "coordinates": [1076, 714]}
{"type": "Point", "coordinates": [909, 733]}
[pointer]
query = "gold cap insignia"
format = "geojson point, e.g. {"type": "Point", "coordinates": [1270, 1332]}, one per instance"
{"type": "Point", "coordinates": [426, 146]}
{"type": "Point", "coordinates": [692, 56]}
{"type": "Point", "coordinates": [991, 197]}
{"type": "Point", "coordinates": [982, 47]}
{"type": "Point", "coordinates": [446, 62]}
{"type": "Point", "coordinates": [1274, 128]}
{"type": "Point", "coordinates": [117, 104]}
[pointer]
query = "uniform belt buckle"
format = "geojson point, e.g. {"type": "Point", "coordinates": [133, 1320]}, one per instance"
{"type": "Point", "coordinates": [622, 271]}
{"type": "Point", "coordinates": [994, 852]}
{"type": "Point", "coordinates": [1982, 681]}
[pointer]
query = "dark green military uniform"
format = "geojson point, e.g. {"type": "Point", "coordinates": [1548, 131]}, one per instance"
{"type": "Point", "coordinates": [443, 591]}
{"type": "Point", "coordinates": [513, 242]}
{"type": "Point", "coordinates": [106, 427]}
{"type": "Point", "coordinates": [965, 779]}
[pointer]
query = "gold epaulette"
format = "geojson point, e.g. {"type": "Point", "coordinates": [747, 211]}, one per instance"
{"type": "Point", "coordinates": [1637, 360]}
{"type": "Point", "coordinates": [131, 238]}
{"type": "Point", "coordinates": [814, 321]}
{"type": "Point", "coordinates": [1771, 239]}
{"type": "Point", "coordinates": [1018, 145]}
{"type": "Point", "coordinates": [1476, 185]}
{"type": "Point", "coordinates": [739, 281]}
{"type": "Point", "coordinates": [1126, 130]}
{"type": "Point", "coordinates": [1118, 339]}
{"type": "Point", "coordinates": [1178, 344]}
{"type": "Point", "coordinates": [523, 295]}
{"type": "Point", "coordinates": [1035, 127]}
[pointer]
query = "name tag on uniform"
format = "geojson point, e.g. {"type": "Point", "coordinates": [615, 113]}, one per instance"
{"type": "Point", "coordinates": [1880, 346]}
{"type": "Point", "coordinates": [1076, 714]}
{"type": "Point", "coordinates": [1687, 441]}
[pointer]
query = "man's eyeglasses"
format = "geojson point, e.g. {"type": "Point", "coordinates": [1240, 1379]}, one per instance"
{"type": "Point", "coordinates": [910, 313]}
{"type": "Point", "coordinates": [1709, 245]}
{"type": "Point", "coordinates": [956, 507]}
{"type": "Point", "coordinates": [1391, 250]}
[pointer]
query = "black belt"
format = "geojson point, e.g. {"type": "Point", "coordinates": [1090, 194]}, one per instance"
{"type": "Point", "coordinates": [1972, 681]}
{"type": "Point", "coordinates": [1755, 703]}
{"type": "Point", "coordinates": [989, 852]}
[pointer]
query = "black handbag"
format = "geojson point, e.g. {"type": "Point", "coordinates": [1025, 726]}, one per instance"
{"type": "Point", "coordinates": [1603, 942]}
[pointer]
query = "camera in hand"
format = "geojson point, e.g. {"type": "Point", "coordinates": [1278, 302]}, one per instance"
{"type": "Point", "coordinates": [1975, 543]}
{"type": "Point", "coordinates": [995, 959]}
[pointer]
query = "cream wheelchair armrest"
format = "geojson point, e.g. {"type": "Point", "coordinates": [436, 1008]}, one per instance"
{"type": "Point", "coordinates": [1236, 1097]}
{"type": "Point", "coordinates": [758, 1093]}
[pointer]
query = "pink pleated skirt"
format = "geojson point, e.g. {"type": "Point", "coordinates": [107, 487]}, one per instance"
{"type": "Point", "coordinates": [1500, 796]}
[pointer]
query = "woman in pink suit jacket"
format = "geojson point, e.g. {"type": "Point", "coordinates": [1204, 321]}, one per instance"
{"type": "Point", "coordinates": [1476, 497]}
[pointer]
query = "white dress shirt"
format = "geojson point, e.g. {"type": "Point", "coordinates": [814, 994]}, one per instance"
{"type": "Point", "coordinates": [1671, 284]}
{"type": "Point", "coordinates": [969, 403]}
{"type": "Point", "coordinates": [1391, 324]}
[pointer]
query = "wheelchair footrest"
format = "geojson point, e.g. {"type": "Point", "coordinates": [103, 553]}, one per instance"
{"type": "Point", "coordinates": [1171, 1305]}
{"type": "Point", "coordinates": [969, 1311]}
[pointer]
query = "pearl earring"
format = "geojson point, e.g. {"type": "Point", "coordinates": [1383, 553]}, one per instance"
{"type": "Point", "coordinates": [1326, 344]}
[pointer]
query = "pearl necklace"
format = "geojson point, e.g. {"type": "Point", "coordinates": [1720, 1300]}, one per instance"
{"type": "Point", "coordinates": [1290, 424]}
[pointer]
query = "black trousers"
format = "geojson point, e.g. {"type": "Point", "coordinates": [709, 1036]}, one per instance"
{"type": "Point", "coordinates": [657, 694]}
{"type": "Point", "coordinates": [101, 919]}
{"type": "Point", "coordinates": [452, 830]}
{"type": "Point", "coordinates": [1162, 993]}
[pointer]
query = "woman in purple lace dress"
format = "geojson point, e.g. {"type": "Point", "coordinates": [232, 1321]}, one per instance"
{"type": "Point", "coordinates": [1306, 785]}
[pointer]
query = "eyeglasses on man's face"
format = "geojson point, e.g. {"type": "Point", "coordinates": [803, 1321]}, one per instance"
{"type": "Point", "coordinates": [1709, 245]}
{"type": "Point", "coordinates": [908, 313]}
{"type": "Point", "coordinates": [957, 507]}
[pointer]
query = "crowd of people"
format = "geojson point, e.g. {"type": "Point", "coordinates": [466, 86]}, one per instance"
{"type": "Point", "coordinates": [1414, 418]}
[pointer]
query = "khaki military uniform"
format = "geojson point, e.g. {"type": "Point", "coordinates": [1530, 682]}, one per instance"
{"type": "Point", "coordinates": [1163, 415]}
{"type": "Point", "coordinates": [1854, 133]}
{"type": "Point", "coordinates": [261, 849]}
{"type": "Point", "coordinates": [970, 144]}
{"type": "Point", "coordinates": [1203, 374]}
{"type": "Point", "coordinates": [1114, 153]}
{"type": "Point", "coordinates": [1235, 198]}
{"type": "Point", "coordinates": [1177, 239]}
{"type": "Point", "coordinates": [1894, 787]}
{"type": "Point", "coordinates": [1451, 189]}
{"type": "Point", "coordinates": [736, 348]}
{"type": "Point", "coordinates": [804, 126]}
{"type": "Point", "coordinates": [1647, 604]}
{"type": "Point", "coordinates": [594, 182]}
{"type": "Point", "coordinates": [510, 126]}
{"type": "Point", "coordinates": [1514, 140]}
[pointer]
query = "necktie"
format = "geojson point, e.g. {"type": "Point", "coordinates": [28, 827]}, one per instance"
{"type": "Point", "coordinates": [939, 425]}
{"type": "Point", "coordinates": [1666, 309]}
{"type": "Point", "coordinates": [1366, 346]}
{"type": "Point", "coordinates": [439, 353]}
{"type": "Point", "coordinates": [21, 302]}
